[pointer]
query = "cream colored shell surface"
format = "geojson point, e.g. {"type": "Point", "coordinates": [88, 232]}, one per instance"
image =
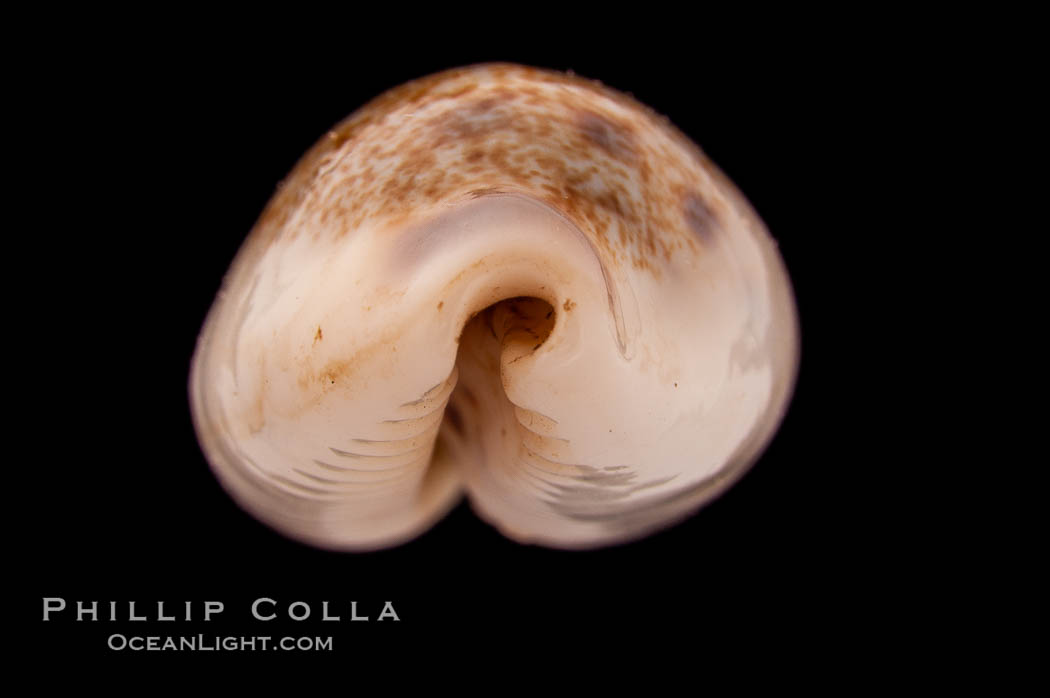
{"type": "Point", "coordinates": [505, 282]}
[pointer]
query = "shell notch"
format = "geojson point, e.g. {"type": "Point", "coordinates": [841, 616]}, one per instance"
{"type": "Point", "coordinates": [505, 282]}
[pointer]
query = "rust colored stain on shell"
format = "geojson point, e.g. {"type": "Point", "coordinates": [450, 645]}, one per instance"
{"type": "Point", "coordinates": [637, 187]}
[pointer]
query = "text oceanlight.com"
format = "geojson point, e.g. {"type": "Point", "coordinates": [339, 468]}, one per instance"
{"type": "Point", "coordinates": [217, 643]}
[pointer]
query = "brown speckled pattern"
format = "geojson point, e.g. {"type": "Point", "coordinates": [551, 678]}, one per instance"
{"type": "Point", "coordinates": [608, 163]}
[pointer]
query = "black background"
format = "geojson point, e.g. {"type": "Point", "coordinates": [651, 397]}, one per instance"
{"type": "Point", "coordinates": [163, 153]}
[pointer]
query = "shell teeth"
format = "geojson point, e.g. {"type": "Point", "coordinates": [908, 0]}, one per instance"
{"type": "Point", "coordinates": [362, 478]}
{"type": "Point", "coordinates": [432, 401]}
{"type": "Point", "coordinates": [370, 464]}
{"type": "Point", "coordinates": [534, 421]}
{"type": "Point", "coordinates": [550, 448]}
{"type": "Point", "coordinates": [300, 489]}
{"type": "Point", "coordinates": [535, 462]}
{"type": "Point", "coordinates": [393, 448]}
